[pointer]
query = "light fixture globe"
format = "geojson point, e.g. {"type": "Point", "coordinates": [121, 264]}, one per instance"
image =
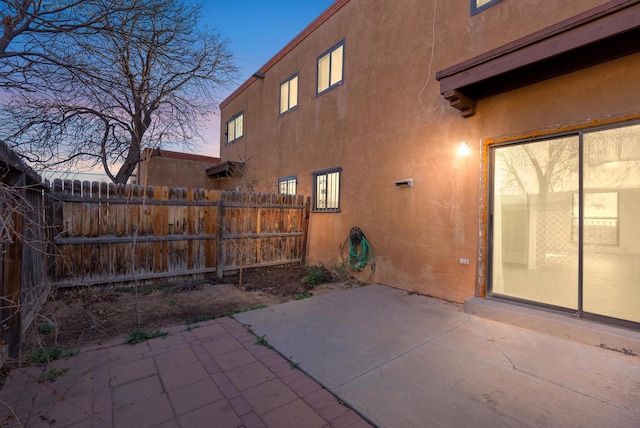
{"type": "Point", "coordinates": [464, 149]}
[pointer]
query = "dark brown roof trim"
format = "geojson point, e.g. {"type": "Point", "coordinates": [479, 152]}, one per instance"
{"type": "Point", "coordinates": [606, 32]}
{"type": "Point", "coordinates": [324, 16]}
{"type": "Point", "coordinates": [224, 169]}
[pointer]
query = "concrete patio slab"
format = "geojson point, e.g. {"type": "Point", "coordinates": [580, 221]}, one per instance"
{"type": "Point", "coordinates": [367, 328]}
{"type": "Point", "coordinates": [404, 360]}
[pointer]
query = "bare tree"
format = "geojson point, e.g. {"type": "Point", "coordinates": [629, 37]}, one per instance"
{"type": "Point", "coordinates": [145, 77]}
{"type": "Point", "coordinates": [33, 30]}
{"type": "Point", "coordinates": [25, 21]}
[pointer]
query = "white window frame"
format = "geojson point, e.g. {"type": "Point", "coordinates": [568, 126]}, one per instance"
{"type": "Point", "coordinates": [326, 190]}
{"type": "Point", "coordinates": [288, 185]}
{"type": "Point", "coordinates": [235, 128]}
{"type": "Point", "coordinates": [289, 94]}
{"type": "Point", "coordinates": [330, 68]}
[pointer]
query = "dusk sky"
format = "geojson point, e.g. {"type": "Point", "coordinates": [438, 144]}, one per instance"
{"type": "Point", "coordinates": [256, 31]}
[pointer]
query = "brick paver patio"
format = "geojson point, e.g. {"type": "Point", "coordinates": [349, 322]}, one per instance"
{"type": "Point", "coordinates": [215, 375]}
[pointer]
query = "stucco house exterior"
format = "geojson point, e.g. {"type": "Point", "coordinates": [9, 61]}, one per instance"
{"type": "Point", "coordinates": [160, 167]}
{"type": "Point", "coordinates": [486, 149]}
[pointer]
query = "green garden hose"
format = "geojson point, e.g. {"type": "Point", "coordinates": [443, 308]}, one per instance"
{"type": "Point", "coordinates": [360, 252]}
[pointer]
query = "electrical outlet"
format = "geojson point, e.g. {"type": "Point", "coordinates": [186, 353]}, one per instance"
{"type": "Point", "coordinates": [464, 261]}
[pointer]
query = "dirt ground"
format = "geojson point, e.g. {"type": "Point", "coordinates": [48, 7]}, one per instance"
{"type": "Point", "coordinates": [73, 318]}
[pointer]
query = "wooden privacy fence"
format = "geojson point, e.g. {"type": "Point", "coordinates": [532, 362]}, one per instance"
{"type": "Point", "coordinates": [24, 249]}
{"type": "Point", "coordinates": [110, 234]}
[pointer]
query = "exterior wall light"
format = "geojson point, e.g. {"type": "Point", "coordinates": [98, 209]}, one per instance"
{"type": "Point", "coordinates": [464, 149]}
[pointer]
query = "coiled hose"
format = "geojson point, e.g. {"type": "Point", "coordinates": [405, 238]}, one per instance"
{"type": "Point", "coordinates": [360, 252]}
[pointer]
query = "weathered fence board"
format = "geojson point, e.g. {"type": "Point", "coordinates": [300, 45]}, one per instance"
{"type": "Point", "coordinates": [24, 250]}
{"type": "Point", "coordinates": [261, 229]}
{"type": "Point", "coordinates": [108, 234]}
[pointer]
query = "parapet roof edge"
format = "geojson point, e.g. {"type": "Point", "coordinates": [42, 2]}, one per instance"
{"type": "Point", "coordinates": [321, 19]}
{"type": "Point", "coordinates": [171, 154]}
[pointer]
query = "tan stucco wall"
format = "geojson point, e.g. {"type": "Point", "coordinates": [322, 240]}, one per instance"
{"type": "Point", "coordinates": [389, 122]}
{"type": "Point", "coordinates": [170, 172]}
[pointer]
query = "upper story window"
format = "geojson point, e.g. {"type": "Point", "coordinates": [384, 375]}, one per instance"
{"type": "Point", "coordinates": [480, 5]}
{"type": "Point", "coordinates": [326, 190]}
{"type": "Point", "coordinates": [235, 128]}
{"type": "Point", "coordinates": [330, 68]}
{"type": "Point", "coordinates": [287, 185]}
{"type": "Point", "coordinates": [289, 94]}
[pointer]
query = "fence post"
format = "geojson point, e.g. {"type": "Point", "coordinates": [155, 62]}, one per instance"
{"type": "Point", "coordinates": [220, 248]}
{"type": "Point", "coordinates": [305, 230]}
{"type": "Point", "coordinates": [12, 280]}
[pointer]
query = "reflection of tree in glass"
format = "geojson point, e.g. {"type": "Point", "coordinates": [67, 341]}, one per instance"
{"type": "Point", "coordinates": [538, 167]}
{"type": "Point", "coordinates": [612, 158]}
{"type": "Point", "coordinates": [534, 171]}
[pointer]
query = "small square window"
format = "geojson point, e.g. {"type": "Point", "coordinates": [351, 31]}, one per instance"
{"type": "Point", "coordinates": [289, 94]}
{"type": "Point", "coordinates": [326, 190]}
{"type": "Point", "coordinates": [480, 5]}
{"type": "Point", "coordinates": [330, 68]}
{"type": "Point", "coordinates": [235, 128]}
{"type": "Point", "coordinates": [287, 185]}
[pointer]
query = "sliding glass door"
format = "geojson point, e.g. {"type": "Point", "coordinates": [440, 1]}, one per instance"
{"type": "Point", "coordinates": [534, 257]}
{"type": "Point", "coordinates": [565, 222]}
{"type": "Point", "coordinates": [611, 223]}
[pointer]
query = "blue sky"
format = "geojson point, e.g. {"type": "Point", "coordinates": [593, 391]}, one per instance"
{"type": "Point", "coordinates": [256, 31]}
